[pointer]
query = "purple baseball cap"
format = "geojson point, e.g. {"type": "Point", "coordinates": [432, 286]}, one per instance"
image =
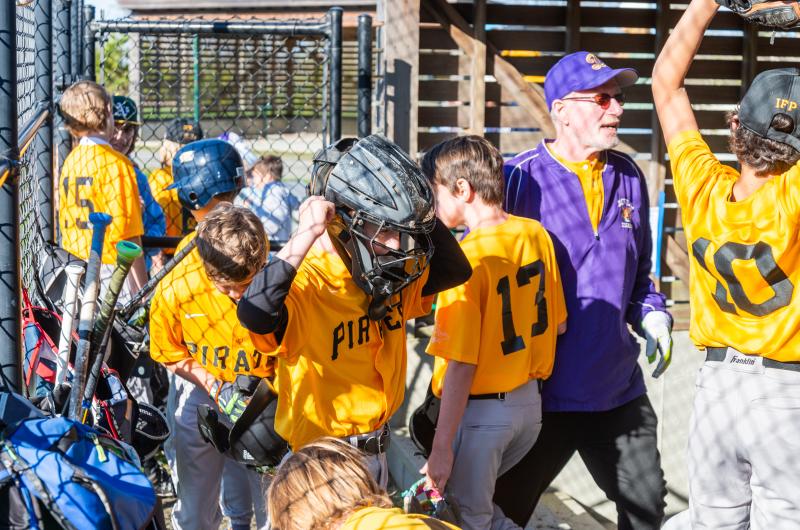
{"type": "Point", "coordinates": [582, 71]}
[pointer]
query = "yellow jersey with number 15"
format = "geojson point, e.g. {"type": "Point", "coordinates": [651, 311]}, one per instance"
{"type": "Point", "coordinates": [744, 255]}
{"type": "Point", "coordinates": [95, 178]}
{"type": "Point", "coordinates": [505, 318]}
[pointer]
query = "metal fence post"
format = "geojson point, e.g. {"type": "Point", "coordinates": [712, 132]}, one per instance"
{"type": "Point", "coordinates": [75, 43]}
{"type": "Point", "coordinates": [88, 44]}
{"type": "Point", "coordinates": [63, 74]}
{"type": "Point", "coordinates": [195, 77]}
{"type": "Point", "coordinates": [335, 57]}
{"type": "Point", "coordinates": [364, 116]}
{"type": "Point", "coordinates": [43, 66]}
{"type": "Point", "coordinates": [10, 332]}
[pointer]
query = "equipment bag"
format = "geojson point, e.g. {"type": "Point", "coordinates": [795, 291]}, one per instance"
{"type": "Point", "coordinates": [40, 329]}
{"type": "Point", "coordinates": [59, 473]}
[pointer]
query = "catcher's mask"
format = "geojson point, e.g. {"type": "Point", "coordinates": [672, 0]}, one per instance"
{"type": "Point", "coordinates": [376, 188]}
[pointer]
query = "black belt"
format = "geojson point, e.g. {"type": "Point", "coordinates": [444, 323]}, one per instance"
{"type": "Point", "coordinates": [719, 354]}
{"type": "Point", "coordinates": [374, 443]}
{"type": "Point", "coordinates": [497, 395]}
{"type": "Point", "coordinates": [501, 396]}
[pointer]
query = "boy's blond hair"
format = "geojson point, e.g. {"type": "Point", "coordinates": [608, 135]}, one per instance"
{"type": "Point", "coordinates": [86, 108]}
{"type": "Point", "coordinates": [167, 152]}
{"type": "Point", "coordinates": [471, 158]}
{"type": "Point", "coordinates": [232, 243]}
{"type": "Point", "coordinates": [320, 485]}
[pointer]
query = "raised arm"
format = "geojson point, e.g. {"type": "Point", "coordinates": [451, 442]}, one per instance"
{"type": "Point", "coordinates": [262, 309]}
{"type": "Point", "coordinates": [669, 95]}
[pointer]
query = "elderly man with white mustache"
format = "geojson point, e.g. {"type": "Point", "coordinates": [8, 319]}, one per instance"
{"type": "Point", "coordinates": [593, 201]}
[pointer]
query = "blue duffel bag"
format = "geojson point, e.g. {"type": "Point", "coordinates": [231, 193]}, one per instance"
{"type": "Point", "coordinates": [59, 473]}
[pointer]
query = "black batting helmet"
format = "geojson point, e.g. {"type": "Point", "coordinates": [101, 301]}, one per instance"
{"type": "Point", "coordinates": [372, 180]}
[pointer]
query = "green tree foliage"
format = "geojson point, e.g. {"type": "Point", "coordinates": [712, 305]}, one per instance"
{"type": "Point", "coordinates": [113, 63]}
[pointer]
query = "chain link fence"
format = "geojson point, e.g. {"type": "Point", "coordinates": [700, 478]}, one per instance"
{"type": "Point", "coordinates": [29, 240]}
{"type": "Point", "coordinates": [265, 86]}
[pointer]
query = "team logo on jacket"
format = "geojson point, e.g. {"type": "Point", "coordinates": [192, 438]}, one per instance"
{"type": "Point", "coordinates": [626, 210]}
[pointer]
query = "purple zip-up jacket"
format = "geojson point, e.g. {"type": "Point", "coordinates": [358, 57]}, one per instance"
{"type": "Point", "coordinates": [605, 275]}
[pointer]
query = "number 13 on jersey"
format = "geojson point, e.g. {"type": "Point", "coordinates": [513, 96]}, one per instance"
{"type": "Point", "coordinates": [525, 274]}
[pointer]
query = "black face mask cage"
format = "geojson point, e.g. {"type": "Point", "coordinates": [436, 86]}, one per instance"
{"type": "Point", "coordinates": [381, 275]}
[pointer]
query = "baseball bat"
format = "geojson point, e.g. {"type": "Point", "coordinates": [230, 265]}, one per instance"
{"type": "Point", "coordinates": [128, 309]}
{"type": "Point", "coordinates": [74, 274]}
{"type": "Point", "coordinates": [100, 222]}
{"type": "Point", "coordinates": [127, 253]}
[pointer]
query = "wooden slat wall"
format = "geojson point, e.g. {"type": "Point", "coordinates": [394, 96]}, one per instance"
{"type": "Point", "coordinates": [534, 35]}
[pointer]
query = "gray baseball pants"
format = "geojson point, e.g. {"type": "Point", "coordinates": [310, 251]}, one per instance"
{"type": "Point", "coordinates": [493, 436]}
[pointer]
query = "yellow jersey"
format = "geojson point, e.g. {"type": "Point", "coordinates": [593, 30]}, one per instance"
{"type": "Point", "coordinates": [190, 317]}
{"type": "Point", "coordinates": [96, 178]}
{"type": "Point", "coordinates": [167, 199]}
{"type": "Point", "coordinates": [745, 255]}
{"type": "Point", "coordinates": [505, 318]}
{"type": "Point", "coordinates": [340, 373]}
{"type": "Point", "coordinates": [373, 518]}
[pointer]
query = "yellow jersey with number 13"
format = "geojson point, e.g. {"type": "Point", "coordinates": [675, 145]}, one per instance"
{"type": "Point", "coordinates": [744, 255]}
{"type": "Point", "coordinates": [96, 178]}
{"type": "Point", "coordinates": [505, 318]}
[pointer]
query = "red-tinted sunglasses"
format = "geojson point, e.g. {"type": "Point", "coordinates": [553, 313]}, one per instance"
{"type": "Point", "coordinates": [604, 100]}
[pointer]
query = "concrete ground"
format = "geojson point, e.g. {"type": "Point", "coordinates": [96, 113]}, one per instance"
{"type": "Point", "coordinates": [671, 395]}
{"type": "Point", "coordinates": [574, 492]}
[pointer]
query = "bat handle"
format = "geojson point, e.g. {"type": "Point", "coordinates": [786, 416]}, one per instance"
{"type": "Point", "coordinates": [100, 222]}
{"type": "Point", "coordinates": [74, 273]}
{"type": "Point", "coordinates": [127, 253]}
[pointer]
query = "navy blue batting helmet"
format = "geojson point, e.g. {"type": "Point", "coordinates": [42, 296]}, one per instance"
{"type": "Point", "coordinates": [205, 169]}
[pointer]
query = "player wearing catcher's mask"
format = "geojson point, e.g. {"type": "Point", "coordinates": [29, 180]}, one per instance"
{"type": "Point", "coordinates": [742, 229]}
{"type": "Point", "coordinates": [495, 335]}
{"type": "Point", "coordinates": [340, 314]}
{"type": "Point", "coordinates": [195, 334]}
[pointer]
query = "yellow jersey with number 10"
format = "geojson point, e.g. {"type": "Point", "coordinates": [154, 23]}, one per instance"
{"type": "Point", "coordinates": [744, 255]}
{"type": "Point", "coordinates": [95, 178]}
{"type": "Point", "coordinates": [505, 318]}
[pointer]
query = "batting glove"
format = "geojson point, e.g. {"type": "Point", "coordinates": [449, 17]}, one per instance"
{"type": "Point", "coordinates": [230, 399]}
{"type": "Point", "coordinates": [657, 326]}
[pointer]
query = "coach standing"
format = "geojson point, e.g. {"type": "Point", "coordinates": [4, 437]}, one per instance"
{"type": "Point", "coordinates": [593, 201]}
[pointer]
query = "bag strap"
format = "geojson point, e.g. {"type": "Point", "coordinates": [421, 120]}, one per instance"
{"type": "Point", "coordinates": [16, 466]}
{"type": "Point", "coordinates": [31, 507]}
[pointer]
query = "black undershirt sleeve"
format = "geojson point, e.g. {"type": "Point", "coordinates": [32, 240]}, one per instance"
{"type": "Point", "coordinates": [262, 308]}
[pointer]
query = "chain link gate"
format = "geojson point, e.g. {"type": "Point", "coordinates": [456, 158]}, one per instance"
{"type": "Point", "coordinates": [268, 87]}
